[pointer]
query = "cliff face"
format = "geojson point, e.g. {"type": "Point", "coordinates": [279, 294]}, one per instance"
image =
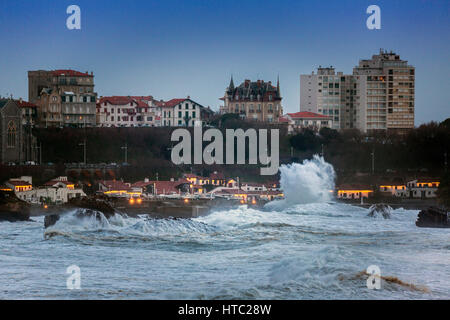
{"type": "Point", "coordinates": [12, 208]}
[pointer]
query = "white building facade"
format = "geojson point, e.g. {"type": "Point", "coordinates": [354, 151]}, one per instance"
{"type": "Point", "coordinates": [144, 111]}
{"type": "Point", "coordinates": [379, 95]}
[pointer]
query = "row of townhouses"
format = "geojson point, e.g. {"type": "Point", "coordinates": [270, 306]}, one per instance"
{"type": "Point", "coordinates": [133, 111]}
{"type": "Point", "coordinates": [68, 98]}
{"type": "Point", "coordinates": [378, 95]}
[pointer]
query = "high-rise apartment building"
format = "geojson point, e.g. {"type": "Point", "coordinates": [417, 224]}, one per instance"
{"type": "Point", "coordinates": [389, 93]}
{"type": "Point", "coordinates": [379, 95]}
{"type": "Point", "coordinates": [63, 97]}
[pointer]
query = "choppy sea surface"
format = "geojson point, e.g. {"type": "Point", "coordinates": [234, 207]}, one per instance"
{"type": "Point", "coordinates": [305, 251]}
{"type": "Point", "coordinates": [306, 246]}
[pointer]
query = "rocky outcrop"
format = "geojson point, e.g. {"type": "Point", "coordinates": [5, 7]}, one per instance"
{"type": "Point", "coordinates": [12, 208]}
{"type": "Point", "coordinates": [380, 209]}
{"type": "Point", "coordinates": [86, 207]}
{"type": "Point", "coordinates": [92, 203]}
{"type": "Point", "coordinates": [433, 218]}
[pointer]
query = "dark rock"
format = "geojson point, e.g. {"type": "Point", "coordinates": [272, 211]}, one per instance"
{"type": "Point", "coordinates": [85, 207]}
{"type": "Point", "coordinates": [12, 208]}
{"type": "Point", "coordinates": [50, 220]}
{"type": "Point", "coordinates": [380, 209]}
{"type": "Point", "coordinates": [433, 218]}
{"type": "Point", "coordinates": [93, 203]}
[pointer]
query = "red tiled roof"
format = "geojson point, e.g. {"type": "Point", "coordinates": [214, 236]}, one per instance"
{"type": "Point", "coordinates": [306, 114]}
{"type": "Point", "coordinates": [216, 176]}
{"type": "Point", "coordinates": [283, 120]}
{"type": "Point", "coordinates": [354, 187]}
{"type": "Point", "coordinates": [191, 175]}
{"type": "Point", "coordinates": [71, 73]}
{"type": "Point", "coordinates": [25, 104]}
{"type": "Point", "coordinates": [427, 180]}
{"type": "Point", "coordinates": [172, 103]}
{"type": "Point", "coordinates": [115, 185]}
{"type": "Point", "coordinates": [19, 183]}
{"type": "Point", "coordinates": [116, 100]}
{"type": "Point", "coordinates": [140, 184]}
{"type": "Point", "coordinates": [53, 182]}
{"type": "Point", "coordinates": [141, 101]}
{"type": "Point", "coordinates": [167, 187]}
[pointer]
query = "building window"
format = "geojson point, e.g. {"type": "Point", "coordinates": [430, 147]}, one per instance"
{"type": "Point", "coordinates": [11, 134]}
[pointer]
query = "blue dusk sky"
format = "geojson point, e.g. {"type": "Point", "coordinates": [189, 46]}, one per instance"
{"type": "Point", "coordinates": [175, 48]}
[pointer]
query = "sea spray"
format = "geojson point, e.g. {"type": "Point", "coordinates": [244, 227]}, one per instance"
{"type": "Point", "coordinates": [309, 182]}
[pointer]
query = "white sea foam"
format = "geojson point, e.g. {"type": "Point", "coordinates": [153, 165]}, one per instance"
{"type": "Point", "coordinates": [309, 182]}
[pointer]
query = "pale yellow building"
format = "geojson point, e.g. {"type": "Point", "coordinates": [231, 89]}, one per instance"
{"type": "Point", "coordinates": [259, 100]}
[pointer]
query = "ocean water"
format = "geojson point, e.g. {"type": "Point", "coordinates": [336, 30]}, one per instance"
{"type": "Point", "coordinates": [289, 250]}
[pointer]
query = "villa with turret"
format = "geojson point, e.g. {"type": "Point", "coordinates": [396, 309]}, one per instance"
{"type": "Point", "coordinates": [259, 100]}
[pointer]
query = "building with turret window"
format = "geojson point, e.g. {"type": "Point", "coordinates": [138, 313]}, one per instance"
{"type": "Point", "coordinates": [258, 100]}
{"type": "Point", "coordinates": [64, 97]}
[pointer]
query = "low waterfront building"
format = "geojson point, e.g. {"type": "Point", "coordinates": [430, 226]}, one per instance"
{"type": "Point", "coordinates": [247, 196]}
{"type": "Point", "coordinates": [53, 195]}
{"type": "Point", "coordinates": [161, 188]}
{"type": "Point", "coordinates": [307, 120]}
{"type": "Point", "coordinates": [24, 183]}
{"type": "Point", "coordinates": [253, 187]}
{"type": "Point", "coordinates": [215, 178]}
{"type": "Point", "coordinates": [354, 191]}
{"type": "Point", "coordinates": [114, 188]}
{"type": "Point", "coordinates": [396, 190]}
{"type": "Point", "coordinates": [422, 188]}
{"type": "Point", "coordinates": [56, 191]}
{"type": "Point", "coordinates": [60, 182]}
